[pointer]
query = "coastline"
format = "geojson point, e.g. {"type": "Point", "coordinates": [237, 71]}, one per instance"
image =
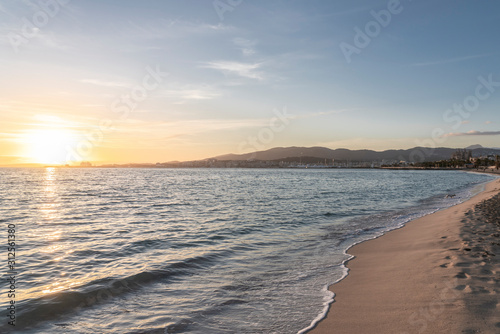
{"type": "Point", "coordinates": [411, 280]}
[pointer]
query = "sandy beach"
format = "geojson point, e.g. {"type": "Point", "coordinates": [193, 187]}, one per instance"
{"type": "Point", "coordinates": [437, 274]}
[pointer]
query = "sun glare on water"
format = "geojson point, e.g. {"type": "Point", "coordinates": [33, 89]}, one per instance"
{"type": "Point", "coordinates": [48, 146]}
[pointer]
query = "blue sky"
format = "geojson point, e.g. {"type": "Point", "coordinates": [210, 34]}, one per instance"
{"type": "Point", "coordinates": [228, 67]}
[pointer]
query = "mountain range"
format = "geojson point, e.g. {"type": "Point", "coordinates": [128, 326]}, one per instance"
{"type": "Point", "coordinates": [416, 154]}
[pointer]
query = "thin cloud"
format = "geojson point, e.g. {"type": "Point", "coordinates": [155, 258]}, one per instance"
{"type": "Point", "coordinates": [215, 27]}
{"type": "Point", "coordinates": [187, 127]}
{"type": "Point", "coordinates": [103, 83]}
{"type": "Point", "coordinates": [452, 60]}
{"type": "Point", "coordinates": [10, 136]}
{"type": "Point", "coordinates": [319, 113]}
{"type": "Point", "coordinates": [245, 70]}
{"type": "Point", "coordinates": [246, 46]}
{"type": "Point", "coordinates": [473, 133]}
{"type": "Point", "coordinates": [174, 28]}
{"type": "Point", "coordinates": [51, 41]}
{"type": "Point", "coordinates": [192, 94]}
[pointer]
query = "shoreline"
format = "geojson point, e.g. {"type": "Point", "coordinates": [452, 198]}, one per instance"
{"type": "Point", "coordinates": [406, 280]}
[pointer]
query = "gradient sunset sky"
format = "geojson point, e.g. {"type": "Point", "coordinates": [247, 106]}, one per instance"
{"type": "Point", "coordinates": [156, 81]}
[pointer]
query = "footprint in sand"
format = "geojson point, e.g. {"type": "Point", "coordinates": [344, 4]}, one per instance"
{"type": "Point", "coordinates": [462, 264]}
{"type": "Point", "coordinates": [485, 271]}
{"type": "Point", "coordinates": [480, 289]}
{"type": "Point", "coordinates": [462, 275]}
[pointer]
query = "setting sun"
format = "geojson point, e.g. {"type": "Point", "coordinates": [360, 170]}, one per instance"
{"type": "Point", "coordinates": [48, 146]}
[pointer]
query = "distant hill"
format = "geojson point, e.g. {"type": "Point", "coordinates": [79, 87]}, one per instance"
{"type": "Point", "coordinates": [416, 154]}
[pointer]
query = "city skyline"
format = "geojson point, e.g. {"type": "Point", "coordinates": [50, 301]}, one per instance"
{"type": "Point", "coordinates": [127, 81]}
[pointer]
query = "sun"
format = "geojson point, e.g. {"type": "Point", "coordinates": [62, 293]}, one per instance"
{"type": "Point", "coordinates": [48, 146]}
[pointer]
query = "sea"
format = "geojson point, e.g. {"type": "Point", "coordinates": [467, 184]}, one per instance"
{"type": "Point", "coordinates": [197, 251]}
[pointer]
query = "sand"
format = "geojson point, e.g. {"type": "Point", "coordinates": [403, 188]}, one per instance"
{"type": "Point", "coordinates": [437, 274]}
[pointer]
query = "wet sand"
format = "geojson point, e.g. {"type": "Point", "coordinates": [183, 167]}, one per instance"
{"type": "Point", "coordinates": [438, 274]}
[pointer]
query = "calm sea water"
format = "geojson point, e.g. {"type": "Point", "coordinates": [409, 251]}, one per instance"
{"type": "Point", "coordinates": [197, 250]}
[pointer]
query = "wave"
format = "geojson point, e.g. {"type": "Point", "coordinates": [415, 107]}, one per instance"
{"type": "Point", "coordinates": [104, 290]}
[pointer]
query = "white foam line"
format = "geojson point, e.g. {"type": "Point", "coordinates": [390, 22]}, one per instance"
{"type": "Point", "coordinates": [328, 299]}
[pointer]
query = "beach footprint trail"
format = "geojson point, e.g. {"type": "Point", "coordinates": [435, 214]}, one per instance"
{"type": "Point", "coordinates": [478, 265]}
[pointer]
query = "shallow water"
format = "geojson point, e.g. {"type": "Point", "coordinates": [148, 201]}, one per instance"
{"type": "Point", "coordinates": [198, 250]}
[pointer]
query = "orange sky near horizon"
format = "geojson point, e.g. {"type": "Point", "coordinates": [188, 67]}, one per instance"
{"type": "Point", "coordinates": [51, 140]}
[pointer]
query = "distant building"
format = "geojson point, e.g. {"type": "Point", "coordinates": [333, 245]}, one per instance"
{"type": "Point", "coordinates": [462, 155]}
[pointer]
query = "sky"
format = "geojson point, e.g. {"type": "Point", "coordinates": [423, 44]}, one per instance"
{"type": "Point", "coordinates": [116, 81]}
